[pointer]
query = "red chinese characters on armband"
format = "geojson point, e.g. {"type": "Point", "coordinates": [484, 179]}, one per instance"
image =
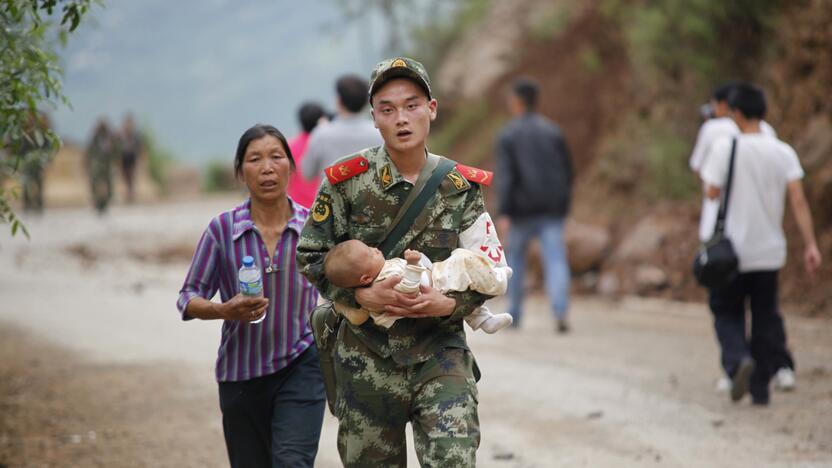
{"type": "Point", "coordinates": [344, 170]}
{"type": "Point", "coordinates": [491, 246]}
{"type": "Point", "coordinates": [482, 237]}
{"type": "Point", "coordinates": [475, 175]}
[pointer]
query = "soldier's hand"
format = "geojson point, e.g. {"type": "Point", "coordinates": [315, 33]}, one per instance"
{"type": "Point", "coordinates": [378, 295]}
{"type": "Point", "coordinates": [430, 303]}
{"type": "Point", "coordinates": [244, 308]}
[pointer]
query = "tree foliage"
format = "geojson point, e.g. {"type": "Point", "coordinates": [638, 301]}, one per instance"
{"type": "Point", "coordinates": [30, 79]}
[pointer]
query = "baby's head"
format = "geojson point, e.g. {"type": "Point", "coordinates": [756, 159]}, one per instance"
{"type": "Point", "coordinates": [352, 263]}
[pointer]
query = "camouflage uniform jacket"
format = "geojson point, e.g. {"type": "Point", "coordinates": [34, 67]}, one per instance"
{"type": "Point", "coordinates": [362, 207]}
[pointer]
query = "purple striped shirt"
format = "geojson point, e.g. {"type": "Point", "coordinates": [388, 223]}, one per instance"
{"type": "Point", "coordinates": [253, 350]}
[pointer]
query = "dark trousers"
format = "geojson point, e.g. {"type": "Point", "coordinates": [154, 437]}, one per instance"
{"type": "Point", "coordinates": [767, 344]}
{"type": "Point", "coordinates": [275, 420]}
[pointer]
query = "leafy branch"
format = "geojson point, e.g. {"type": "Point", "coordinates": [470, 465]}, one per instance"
{"type": "Point", "coordinates": [30, 78]}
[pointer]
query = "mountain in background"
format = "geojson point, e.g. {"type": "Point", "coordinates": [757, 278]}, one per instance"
{"type": "Point", "coordinates": [198, 73]}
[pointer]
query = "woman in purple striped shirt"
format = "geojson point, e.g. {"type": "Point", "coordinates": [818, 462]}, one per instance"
{"type": "Point", "coordinates": [270, 385]}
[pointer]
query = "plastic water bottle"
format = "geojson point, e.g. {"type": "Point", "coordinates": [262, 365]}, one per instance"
{"type": "Point", "coordinates": [251, 281]}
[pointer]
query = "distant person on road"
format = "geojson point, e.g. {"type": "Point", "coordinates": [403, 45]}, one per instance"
{"type": "Point", "coordinates": [33, 164]}
{"type": "Point", "coordinates": [270, 384]}
{"type": "Point", "coordinates": [721, 125]}
{"type": "Point", "coordinates": [101, 151]}
{"type": "Point", "coordinates": [533, 196]}
{"type": "Point", "coordinates": [130, 144]}
{"type": "Point", "coordinates": [351, 131]}
{"type": "Point", "coordinates": [765, 171]}
{"type": "Point", "coordinates": [301, 189]}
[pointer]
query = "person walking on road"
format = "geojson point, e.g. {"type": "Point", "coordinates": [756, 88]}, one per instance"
{"type": "Point", "coordinates": [35, 159]}
{"type": "Point", "coordinates": [301, 189]}
{"type": "Point", "coordinates": [101, 151]}
{"type": "Point", "coordinates": [347, 134]}
{"type": "Point", "coordinates": [420, 370]}
{"type": "Point", "coordinates": [720, 126]}
{"type": "Point", "coordinates": [130, 145]}
{"type": "Point", "coordinates": [270, 385]}
{"type": "Point", "coordinates": [533, 195]}
{"type": "Point", "coordinates": [766, 170]}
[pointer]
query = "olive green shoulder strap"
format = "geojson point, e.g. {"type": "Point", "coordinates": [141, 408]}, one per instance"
{"type": "Point", "coordinates": [423, 191]}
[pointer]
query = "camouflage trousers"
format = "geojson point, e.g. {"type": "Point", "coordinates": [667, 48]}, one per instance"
{"type": "Point", "coordinates": [377, 397]}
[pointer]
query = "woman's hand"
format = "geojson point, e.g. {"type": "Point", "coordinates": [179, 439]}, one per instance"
{"type": "Point", "coordinates": [430, 303]}
{"type": "Point", "coordinates": [244, 308]}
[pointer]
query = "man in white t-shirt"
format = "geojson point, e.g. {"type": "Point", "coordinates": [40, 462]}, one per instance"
{"type": "Point", "coordinates": [765, 170]}
{"type": "Point", "coordinates": [721, 125]}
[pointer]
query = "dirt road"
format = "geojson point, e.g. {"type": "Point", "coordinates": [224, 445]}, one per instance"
{"type": "Point", "coordinates": [97, 370]}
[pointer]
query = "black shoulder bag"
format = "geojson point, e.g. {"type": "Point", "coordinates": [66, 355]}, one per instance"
{"type": "Point", "coordinates": [324, 320]}
{"type": "Point", "coordinates": [716, 264]}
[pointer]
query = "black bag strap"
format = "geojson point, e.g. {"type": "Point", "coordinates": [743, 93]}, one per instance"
{"type": "Point", "coordinates": [414, 204]}
{"type": "Point", "coordinates": [723, 203]}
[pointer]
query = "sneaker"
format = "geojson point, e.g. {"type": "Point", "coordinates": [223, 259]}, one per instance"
{"type": "Point", "coordinates": [740, 381]}
{"type": "Point", "coordinates": [562, 326]}
{"type": "Point", "coordinates": [496, 323]}
{"type": "Point", "coordinates": [723, 384]}
{"type": "Point", "coordinates": [784, 380]}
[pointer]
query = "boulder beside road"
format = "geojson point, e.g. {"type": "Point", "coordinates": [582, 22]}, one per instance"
{"type": "Point", "coordinates": [587, 245]}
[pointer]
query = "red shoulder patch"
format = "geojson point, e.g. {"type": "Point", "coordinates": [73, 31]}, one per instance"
{"type": "Point", "coordinates": [344, 170]}
{"type": "Point", "coordinates": [475, 175]}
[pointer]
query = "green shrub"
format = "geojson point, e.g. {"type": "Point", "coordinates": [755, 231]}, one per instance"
{"type": "Point", "coordinates": [551, 22]}
{"type": "Point", "coordinates": [590, 58]}
{"type": "Point", "coordinates": [667, 163]}
{"type": "Point", "coordinates": [218, 177]}
{"type": "Point", "coordinates": [647, 159]}
{"type": "Point", "coordinates": [711, 39]}
{"type": "Point", "coordinates": [159, 159]}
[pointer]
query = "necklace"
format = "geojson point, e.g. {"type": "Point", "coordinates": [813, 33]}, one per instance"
{"type": "Point", "coordinates": [270, 268]}
{"type": "Point", "coordinates": [271, 265]}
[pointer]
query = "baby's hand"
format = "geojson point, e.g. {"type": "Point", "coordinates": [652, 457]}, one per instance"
{"type": "Point", "coordinates": [412, 256]}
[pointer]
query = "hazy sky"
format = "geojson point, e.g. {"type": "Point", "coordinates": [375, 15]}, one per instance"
{"type": "Point", "coordinates": [199, 72]}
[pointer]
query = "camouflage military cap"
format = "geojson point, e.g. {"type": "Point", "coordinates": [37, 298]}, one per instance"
{"type": "Point", "coordinates": [401, 67]}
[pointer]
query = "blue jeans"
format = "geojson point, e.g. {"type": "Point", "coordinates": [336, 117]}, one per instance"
{"type": "Point", "coordinates": [555, 264]}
